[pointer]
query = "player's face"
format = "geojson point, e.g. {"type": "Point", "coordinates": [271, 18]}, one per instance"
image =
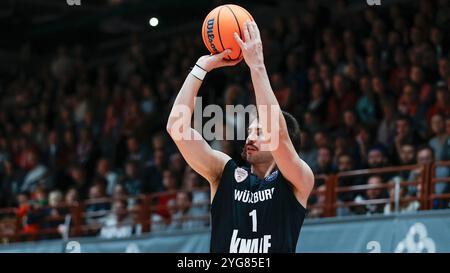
{"type": "Point", "coordinates": [253, 145]}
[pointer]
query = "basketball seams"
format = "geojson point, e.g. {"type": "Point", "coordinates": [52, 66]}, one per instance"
{"type": "Point", "coordinates": [239, 27]}
{"type": "Point", "coordinates": [249, 15]}
{"type": "Point", "coordinates": [218, 31]}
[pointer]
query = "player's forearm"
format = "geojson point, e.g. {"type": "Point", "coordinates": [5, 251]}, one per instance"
{"type": "Point", "coordinates": [266, 101]}
{"type": "Point", "coordinates": [184, 104]}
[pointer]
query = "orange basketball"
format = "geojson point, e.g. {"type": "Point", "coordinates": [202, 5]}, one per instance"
{"type": "Point", "coordinates": [219, 26]}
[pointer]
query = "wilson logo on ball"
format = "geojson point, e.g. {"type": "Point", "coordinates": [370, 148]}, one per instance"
{"type": "Point", "coordinates": [210, 33]}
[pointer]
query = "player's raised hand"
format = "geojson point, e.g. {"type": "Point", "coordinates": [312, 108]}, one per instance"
{"type": "Point", "coordinates": [252, 47]}
{"type": "Point", "coordinates": [213, 61]}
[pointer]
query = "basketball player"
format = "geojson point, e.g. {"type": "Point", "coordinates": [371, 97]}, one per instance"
{"type": "Point", "coordinates": [258, 209]}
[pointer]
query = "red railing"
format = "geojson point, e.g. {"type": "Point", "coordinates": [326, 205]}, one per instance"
{"type": "Point", "coordinates": [431, 189]}
{"type": "Point", "coordinates": [326, 196]}
{"type": "Point", "coordinates": [337, 189]}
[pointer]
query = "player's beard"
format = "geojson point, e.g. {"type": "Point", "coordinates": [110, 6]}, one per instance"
{"type": "Point", "coordinates": [259, 157]}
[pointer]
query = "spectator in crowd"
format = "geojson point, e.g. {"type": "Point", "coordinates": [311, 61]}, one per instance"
{"type": "Point", "coordinates": [86, 149]}
{"type": "Point", "coordinates": [119, 223]}
{"type": "Point", "coordinates": [310, 123]}
{"type": "Point", "coordinates": [364, 141]}
{"type": "Point", "coordinates": [417, 78]}
{"type": "Point", "coordinates": [159, 223]}
{"type": "Point", "coordinates": [153, 172]}
{"type": "Point", "coordinates": [387, 126]}
{"type": "Point", "coordinates": [23, 207]}
{"type": "Point", "coordinates": [35, 217]}
{"type": "Point", "coordinates": [377, 157]}
{"type": "Point", "coordinates": [317, 105]}
{"type": "Point", "coordinates": [441, 102]}
{"type": "Point", "coordinates": [425, 155]}
{"type": "Point", "coordinates": [36, 174]}
{"type": "Point", "coordinates": [148, 101]}
{"type": "Point", "coordinates": [170, 187]}
{"type": "Point", "coordinates": [318, 203]}
{"type": "Point", "coordinates": [321, 138]}
{"type": "Point", "coordinates": [407, 157]}
{"type": "Point", "coordinates": [132, 181]}
{"type": "Point", "coordinates": [9, 187]}
{"type": "Point", "coordinates": [135, 150]}
{"type": "Point", "coordinates": [53, 150]}
{"type": "Point", "coordinates": [349, 124]}
{"type": "Point", "coordinates": [404, 206]}
{"type": "Point", "coordinates": [446, 147]}
{"type": "Point", "coordinates": [439, 135]}
{"type": "Point", "coordinates": [404, 133]}
{"type": "Point", "coordinates": [307, 151]}
{"type": "Point", "coordinates": [186, 217]}
{"type": "Point", "coordinates": [39, 196]}
{"type": "Point", "coordinates": [342, 98]}
{"type": "Point", "coordinates": [69, 157]}
{"type": "Point", "coordinates": [177, 165]}
{"type": "Point", "coordinates": [52, 216]}
{"type": "Point", "coordinates": [324, 161]}
{"type": "Point", "coordinates": [119, 192]}
{"type": "Point", "coordinates": [366, 106]}
{"type": "Point", "coordinates": [78, 180]}
{"type": "Point", "coordinates": [375, 192]}
{"type": "Point", "coordinates": [104, 171]}
{"type": "Point", "coordinates": [345, 164]}
{"type": "Point", "coordinates": [96, 194]}
{"type": "Point", "coordinates": [71, 198]}
{"type": "Point", "coordinates": [200, 195]}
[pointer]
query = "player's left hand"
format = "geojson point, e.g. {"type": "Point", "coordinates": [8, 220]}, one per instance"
{"type": "Point", "coordinates": [252, 48]}
{"type": "Point", "coordinates": [213, 61]}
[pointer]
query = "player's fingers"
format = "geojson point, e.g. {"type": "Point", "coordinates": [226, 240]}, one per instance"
{"type": "Point", "coordinates": [223, 54]}
{"type": "Point", "coordinates": [234, 62]}
{"type": "Point", "coordinates": [256, 30]}
{"type": "Point", "coordinates": [251, 29]}
{"type": "Point", "coordinates": [238, 40]}
{"type": "Point", "coordinates": [247, 35]}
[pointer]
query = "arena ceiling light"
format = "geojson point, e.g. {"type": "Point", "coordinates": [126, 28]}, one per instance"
{"type": "Point", "coordinates": [153, 21]}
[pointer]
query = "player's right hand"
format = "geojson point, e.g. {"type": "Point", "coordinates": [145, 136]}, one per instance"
{"type": "Point", "coordinates": [213, 61]}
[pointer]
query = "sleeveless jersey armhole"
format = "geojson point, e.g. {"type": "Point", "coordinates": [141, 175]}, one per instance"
{"type": "Point", "coordinates": [289, 188]}
{"type": "Point", "coordinates": [224, 181]}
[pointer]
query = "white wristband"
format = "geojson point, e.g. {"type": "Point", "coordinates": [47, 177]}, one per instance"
{"type": "Point", "coordinates": [198, 72]}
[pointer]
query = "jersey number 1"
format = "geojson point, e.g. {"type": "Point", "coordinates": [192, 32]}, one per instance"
{"type": "Point", "coordinates": [254, 219]}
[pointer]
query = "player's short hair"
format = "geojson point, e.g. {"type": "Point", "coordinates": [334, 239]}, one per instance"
{"type": "Point", "coordinates": [293, 131]}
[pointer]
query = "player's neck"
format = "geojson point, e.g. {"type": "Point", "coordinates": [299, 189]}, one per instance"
{"type": "Point", "coordinates": [262, 170]}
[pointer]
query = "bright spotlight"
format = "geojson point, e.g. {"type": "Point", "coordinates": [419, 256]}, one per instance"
{"type": "Point", "coordinates": [154, 21]}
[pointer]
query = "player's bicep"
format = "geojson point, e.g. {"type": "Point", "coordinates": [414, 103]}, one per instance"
{"type": "Point", "coordinates": [206, 161]}
{"type": "Point", "coordinates": [294, 169]}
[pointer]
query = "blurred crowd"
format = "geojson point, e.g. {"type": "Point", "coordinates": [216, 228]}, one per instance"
{"type": "Point", "coordinates": [369, 88]}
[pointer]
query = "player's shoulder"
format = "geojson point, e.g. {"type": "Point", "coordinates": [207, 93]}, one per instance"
{"type": "Point", "coordinates": [231, 165]}
{"type": "Point", "coordinates": [233, 169]}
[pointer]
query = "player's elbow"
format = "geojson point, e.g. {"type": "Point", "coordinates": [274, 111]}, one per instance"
{"type": "Point", "coordinates": [170, 125]}
{"type": "Point", "coordinates": [169, 131]}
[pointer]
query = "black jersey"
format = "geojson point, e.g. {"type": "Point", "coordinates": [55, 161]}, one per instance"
{"type": "Point", "coordinates": [252, 215]}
